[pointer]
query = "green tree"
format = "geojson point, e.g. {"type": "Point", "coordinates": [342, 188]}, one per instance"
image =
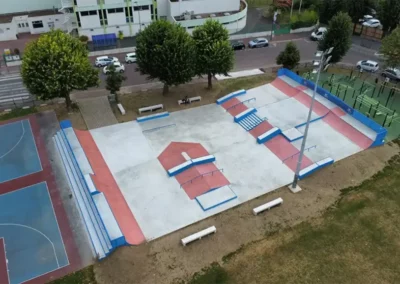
{"type": "Point", "coordinates": [214, 54]}
{"type": "Point", "coordinates": [357, 9]}
{"type": "Point", "coordinates": [289, 57]}
{"type": "Point", "coordinates": [338, 36]}
{"type": "Point", "coordinates": [56, 64]}
{"type": "Point", "coordinates": [165, 51]}
{"type": "Point", "coordinates": [389, 14]}
{"type": "Point", "coordinates": [391, 47]}
{"type": "Point", "coordinates": [114, 80]}
{"type": "Point", "coordinates": [330, 8]}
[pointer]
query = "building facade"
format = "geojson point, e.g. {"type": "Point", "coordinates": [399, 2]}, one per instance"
{"type": "Point", "coordinates": [97, 17]}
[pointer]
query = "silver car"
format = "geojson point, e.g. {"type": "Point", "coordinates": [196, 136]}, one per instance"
{"type": "Point", "coordinates": [258, 42]}
{"type": "Point", "coordinates": [392, 73]}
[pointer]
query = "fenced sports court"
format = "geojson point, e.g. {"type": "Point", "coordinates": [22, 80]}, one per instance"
{"type": "Point", "coordinates": [369, 93]}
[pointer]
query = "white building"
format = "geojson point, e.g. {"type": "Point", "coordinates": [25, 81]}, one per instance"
{"type": "Point", "coordinates": [97, 17]}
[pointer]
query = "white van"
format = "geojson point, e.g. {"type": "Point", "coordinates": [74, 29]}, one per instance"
{"type": "Point", "coordinates": [318, 34]}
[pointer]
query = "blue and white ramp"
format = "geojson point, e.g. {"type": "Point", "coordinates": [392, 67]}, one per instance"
{"type": "Point", "coordinates": [250, 122]}
{"type": "Point", "coordinates": [215, 198]}
{"type": "Point", "coordinates": [190, 163]}
{"type": "Point", "coordinates": [268, 135]}
{"type": "Point", "coordinates": [152, 116]}
{"type": "Point", "coordinates": [314, 167]}
{"type": "Point", "coordinates": [230, 96]}
{"type": "Point", "coordinates": [292, 134]}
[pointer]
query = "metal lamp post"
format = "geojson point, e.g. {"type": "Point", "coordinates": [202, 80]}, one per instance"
{"type": "Point", "coordinates": [140, 22]}
{"type": "Point", "coordinates": [320, 64]}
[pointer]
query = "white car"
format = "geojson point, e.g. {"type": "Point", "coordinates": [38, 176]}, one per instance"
{"type": "Point", "coordinates": [118, 68]}
{"type": "Point", "coordinates": [105, 60]}
{"type": "Point", "coordinates": [373, 23]}
{"type": "Point", "coordinates": [318, 34]}
{"type": "Point", "coordinates": [258, 42]}
{"type": "Point", "coordinates": [366, 18]}
{"type": "Point", "coordinates": [368, 65]}
{"type": "Point", "coordinates": [130, 57]}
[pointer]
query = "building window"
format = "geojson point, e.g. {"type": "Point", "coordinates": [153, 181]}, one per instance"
{"type": "Point", "coordinates": [56, 20]}
{"type": "Point", "coordinates": [75, 3]}
{"type": "Point", "coordinates": [141, 8]}
{"type": "Point", "coordinates": [37, 24]}
{"type": "Point", "coordinates": [27, 25]}
{"type": "Point", "coordinates": [103, 21]}
{"type": "Point", "coordinates": [115, 10]}
{"type": "Point", "coordinates": [89, 13]}
{"type": "Point", "coordinates": [128, 15]}
{"type": "Point", "coordinates": [78, 19]}
{"type": "Point", "coordinates": [19, 26]}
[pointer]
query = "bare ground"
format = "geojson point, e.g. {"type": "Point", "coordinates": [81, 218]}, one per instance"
{"type": "Point", "coordinates": [165, 261]}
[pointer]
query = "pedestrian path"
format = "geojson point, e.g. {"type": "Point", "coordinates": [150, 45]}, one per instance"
{"type": "Point", "coordinates": [97, 112]}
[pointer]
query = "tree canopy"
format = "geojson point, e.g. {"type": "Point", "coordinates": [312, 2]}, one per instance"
{"type": "Point", "coordinates": [114, 80]}
{"type": "Point", "coordinates": [289, 57]}
{"type": "Point", "coordinates": [165, 51]}
{"type": "Point", "coordinates": [214, 54]}
{"type": "Point", "coordinates": [355, 8]}
{"type": "Point", "coordinates": [389, 14]}
{"type": "Point", "coordinates": [391, 48]}
{"type": "Point", "coordinates": [56, 64]}
{"type": "Point", "coordinates": [338, 36]}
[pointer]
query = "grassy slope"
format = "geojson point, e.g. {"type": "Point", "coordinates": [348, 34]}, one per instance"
{"type": "Point", "coordinates": [357, 241]}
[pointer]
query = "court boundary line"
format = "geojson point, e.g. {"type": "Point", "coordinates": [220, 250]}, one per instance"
{"type": "Point", "coordinates": [16, 144]}
{"type": "Point", "coordinates": [34, 143]}
{"type": "Point", "coordinates": [37, 231]}
{"type": "Point", "coordinates": [5, 256]}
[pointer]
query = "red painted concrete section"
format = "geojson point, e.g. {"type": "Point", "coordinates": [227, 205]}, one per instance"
{"type": "Point", "coordinates": [105, 182]}
{"type": "Point", "coordinates": [338, 111]}
{"type": "Point", "coordinates": [234, 106]}
{"type": "Point", "coordinates": [285, 87]}
{"type": "Point", "coordinates": [306, 100]}
{"type": "Point", "coordinates": [348, 131]}
{"type": "Point", "coordinates": [195, 180]}
{"type": "Point", "coordinates": [3, 264]}
{"type": "Point", "coordinates": [261, 129]}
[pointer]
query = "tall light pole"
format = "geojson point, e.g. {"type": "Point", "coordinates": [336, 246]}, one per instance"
{"type": "Point", "coordinates": [324, 59]}
{"type": "Point", "coordinates": [140, 22]}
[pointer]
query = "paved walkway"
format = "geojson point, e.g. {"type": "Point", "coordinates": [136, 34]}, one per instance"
{"type": "Point", "coordinates": [97, 112]}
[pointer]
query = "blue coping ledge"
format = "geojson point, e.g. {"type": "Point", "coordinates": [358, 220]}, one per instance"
{"type": "Point", "coordinates": [268, 135]}
{"type": "Point", "coordinates": [381, 131]}
{"type": "Point", "coordinates": [244, 114]}
{"type": "Point", "coordinates": [65, 124]}
{"type": "Point", "coordinates": [230, 96]}
{"type": "Point", "coordinates": [315, 167]}
{"type": "Point", "coordinates": [152, 116]}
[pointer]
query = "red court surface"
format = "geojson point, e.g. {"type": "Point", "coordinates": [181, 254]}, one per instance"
{"type": "Point", "coordinates": [3, 264]}
{"type": "Point", "coordinates": [47, 175]}
{"type": "Point", "coordinates": [196, 180]}
{"type": "Point", "coordinates": [261, 129]}
{"type": "Point", "coordinates": [348, 131]}
{"type": "Point", "coordinates": [234, 106]}
{"type": "Point", "coordinates": [105, 182]}
{"type": "Point", "coordinates": [306, 100]}
{"type": "Point", "coordinates": [285, 87]}
{"type": "Point", "coordinates": [338, 111]}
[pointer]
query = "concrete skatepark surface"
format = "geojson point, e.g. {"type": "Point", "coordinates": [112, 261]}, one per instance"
{"type": "Point", "coordinates": [161, 205]}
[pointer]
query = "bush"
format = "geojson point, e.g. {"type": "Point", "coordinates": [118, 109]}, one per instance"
{"type": "Point", "coordinates": [16, 51]}
{"type": "Point", "coordinates": [83, 38]}
{"type": "Point", "coordinates": [305, 19]}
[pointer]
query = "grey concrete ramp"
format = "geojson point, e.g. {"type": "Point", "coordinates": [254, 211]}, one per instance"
{"type": "Point", "coordinates": [97, 112]}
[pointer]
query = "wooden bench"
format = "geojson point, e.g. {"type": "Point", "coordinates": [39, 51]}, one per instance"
{"type": "Point", "coordinates": [121, 109]}
{"type": "Point", "coordinates": [198, 235]}
{"type": "Point", "coordinates": [193, 99]}
{"type": "Point", "coordinates": [151, 108]}
{"type": "Point", "coordinates": [268, 206]}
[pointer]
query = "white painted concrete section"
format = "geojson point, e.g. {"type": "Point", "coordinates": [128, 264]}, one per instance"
{"type": "Point", "coordinates": [216, 197]}
{"type": "Point", "coordinates": [285, 114]}
{"type": "Point", "coordinates": [360, 126]}
{"type": "Point", "coordinates": [308, 169]}
{"type": "Point", "coordinates": [290, 81]}
{"type": "Point", "coordinates": [292, 134]}
{"type": "Point", "coordinates": [90, 184]}
{"type": "Point", "coordinates": [150, 125]}
{"type": "Point", "coordinates": [239, 74]}
{"type": "Point", "coordinates": [112, 227]}
{"type": "Point", "coordinates": [330, 143]}
{"type": "Point", "coordinates": [264, 95]}
{"type": "Point", "coordinates": [327, 103]}
{"type": "Point", "coordinates": [123, 145]}
{"type": "Point", "coordinates": [77, 149]}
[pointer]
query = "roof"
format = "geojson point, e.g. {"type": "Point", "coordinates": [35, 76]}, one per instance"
{"type": "Point", "coordinates": [7, 18]}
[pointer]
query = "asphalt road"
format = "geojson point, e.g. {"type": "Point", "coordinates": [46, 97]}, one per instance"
{"type": "Point", "coordinates": [11, 87]}
{"type": "Point", "coordinates": [247, 59]}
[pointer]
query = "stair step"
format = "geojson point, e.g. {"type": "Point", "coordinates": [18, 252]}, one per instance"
{"type": "Point", "coordinates": [250, 122]}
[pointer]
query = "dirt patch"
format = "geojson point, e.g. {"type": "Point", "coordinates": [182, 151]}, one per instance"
{"type": "Point", "coordinates": [132, 102]}
{"type": "Point", "coordinates": [62, 114]}
{"type": "Point", "coordinates": [165, 261]}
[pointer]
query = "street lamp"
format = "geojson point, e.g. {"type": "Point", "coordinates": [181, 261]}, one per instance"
{"type": "Point", "coordinates": [324, 58]}
{"type": "Point", "coordinates": [140, 22]}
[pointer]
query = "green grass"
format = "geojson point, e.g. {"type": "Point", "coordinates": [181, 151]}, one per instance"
{"type": "Point", "coordinates": [355, 241]}
{"type": "Point", "coordinates": [18, 112]}
{"type": "Point", "coordinates": [84, 276]}
{"type": "Point", "coordinates": [214, 274]}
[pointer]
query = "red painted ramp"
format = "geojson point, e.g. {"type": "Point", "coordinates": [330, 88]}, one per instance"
{"type": "Point", "coordinates": [4, 279]}
{"type": "Point", "coordinates": [105, 182]}
{"type": "Point", "coordinates": [347, 130]}
{"type": "Point", "coordinates": [285, 87]}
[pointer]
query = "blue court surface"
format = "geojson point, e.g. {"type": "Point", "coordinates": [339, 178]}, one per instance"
{"type": "Point", "coordinates": [33, 242]}
{"type": "Point", "coordinates": [18, 153]}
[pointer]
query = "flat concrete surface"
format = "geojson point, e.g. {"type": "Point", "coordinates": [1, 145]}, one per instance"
{"type": "Point", "coordinates": [263, 95]}
{"type": "Point", "coordinates": [359, 126]}
{"type": "Point", "coordinates": [152, 125]}
{"type": "Point", "coordinates": [292, 134]}
{"type": "Point", "coordinates": [97, 112]}
{"type": "Point", "coordinates": [215, 197]}
{"type": "Point", "coordinates": [239, 74]}
{"type": "Point", "coordinates": [290, 81]}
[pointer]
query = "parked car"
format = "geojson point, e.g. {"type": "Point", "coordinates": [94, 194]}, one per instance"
{"type": "Point", "coordinates": [105, 60]}
{"type": "Point", "coordinates": [391, 73]}
{"type": "Point", "coordinates": [373, 23]}
{"type": "Point", "coordinates": [258, 42]}
{"type": "Point", "coordinates": [238, 45]}
{"type": "Point", "coordinates": [119, 67]}
{"type": "Point", "coordinates": [368, 65]}
{"type": "Point", "coordinates": [318, 34]}
{"type": "Point", "coordinates": [130, 57]}
{"type": "Point", "coordinates": [366, 18]}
